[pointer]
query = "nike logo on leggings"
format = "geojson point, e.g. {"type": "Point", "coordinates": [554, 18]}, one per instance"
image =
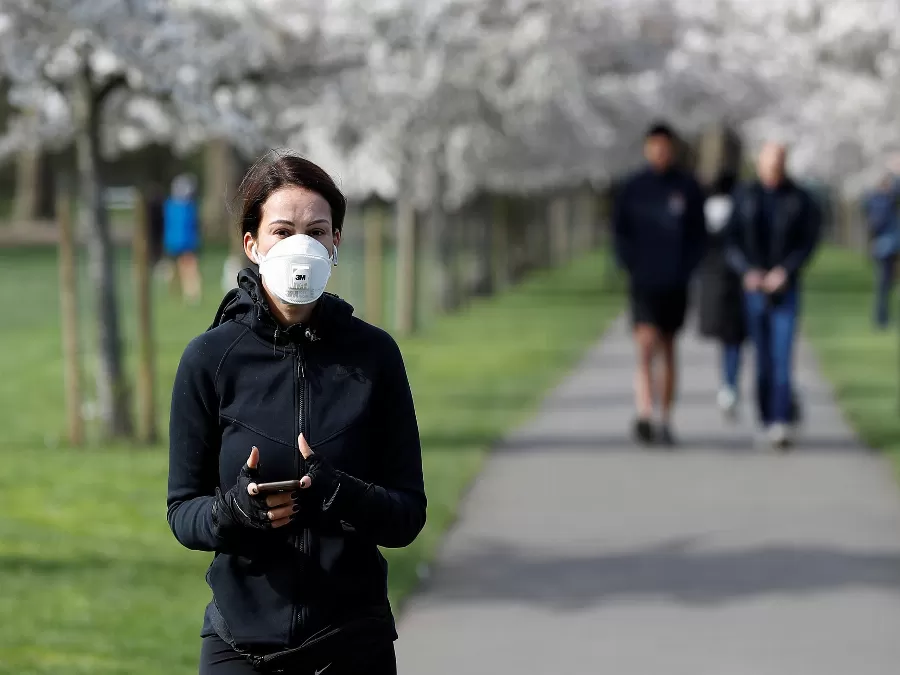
{"type": "Point", "coordinates": [322, 670]}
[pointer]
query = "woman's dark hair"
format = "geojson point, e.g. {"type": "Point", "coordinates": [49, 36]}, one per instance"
{"type": "Point", "coordinates": [276, 170]}
{"type": "Point", "coordinates": [724, 184]}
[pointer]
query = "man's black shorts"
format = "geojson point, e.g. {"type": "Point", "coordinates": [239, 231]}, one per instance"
{"type": "Point", "coordinates": [663, 308]}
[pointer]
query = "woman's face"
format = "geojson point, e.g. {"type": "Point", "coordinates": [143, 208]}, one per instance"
{"type": "Point", "coordinates": [293, 210]}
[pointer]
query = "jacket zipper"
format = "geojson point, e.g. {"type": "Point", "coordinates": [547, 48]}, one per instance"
{"type": "Point", "coordinates": [301, 391]}
{"type": "Point", "coordinates": [302, 615]}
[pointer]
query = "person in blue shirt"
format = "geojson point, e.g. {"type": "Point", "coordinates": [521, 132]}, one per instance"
{"type": "Point", "coordinates": [770, 237]}
{"type": "Point", "coordinates": [181, 236]}
{"type": "Point", "coordinates": [881, 211]}
{"type": "Point", "coordinates": [659, 236]}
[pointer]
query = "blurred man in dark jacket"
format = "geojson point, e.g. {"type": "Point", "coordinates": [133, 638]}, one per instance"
{"type": "Point", "coordinates": [882, 210]}
{"type": "Point", "coordinates": [660, 234]}
{"type": "Point", "coordinates": [773, 231]}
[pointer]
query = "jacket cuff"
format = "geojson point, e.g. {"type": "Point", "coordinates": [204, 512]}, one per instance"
{"type": "Point", "coordinates": [221, 518]}
{"type": "Point", "coordinates": [345, 500]}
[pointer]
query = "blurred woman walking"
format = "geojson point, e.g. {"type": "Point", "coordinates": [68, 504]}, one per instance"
{"type": "Point", "coordinates": [721, 310]}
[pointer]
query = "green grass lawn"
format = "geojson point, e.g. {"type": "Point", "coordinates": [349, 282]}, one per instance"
{"type": "Point", "coordinates": [862, 363]}
{"type": "Point", "coordinates": [92, 579]}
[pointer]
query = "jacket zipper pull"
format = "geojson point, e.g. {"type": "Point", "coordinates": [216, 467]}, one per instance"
{"type": "Point", "coordinates": [274, 353]}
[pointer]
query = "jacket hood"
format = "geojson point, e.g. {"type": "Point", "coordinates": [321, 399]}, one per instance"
{"type": "Point", "coordinates": [247, 304]}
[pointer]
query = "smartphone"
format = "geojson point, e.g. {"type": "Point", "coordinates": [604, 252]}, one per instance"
{"type": "Point", "coordinates": [278, 486]}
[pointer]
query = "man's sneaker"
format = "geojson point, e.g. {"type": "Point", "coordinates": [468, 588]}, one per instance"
{"type": "Point", "coordinates": [665, 436]}
{"type": "Point", "coordinates": [779, 436]}
{"type": "Point", "coordinates": [643, 431]}
{"type": "Point", "coordinates": [727, 401]}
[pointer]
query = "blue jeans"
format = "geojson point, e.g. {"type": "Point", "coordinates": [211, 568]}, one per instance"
{"type": "Point", "coordinates": [883, 285]}
{"type": "Point", "coordinates": [772, 328]}
{"type": "Point", "coordinates": [731, 364]}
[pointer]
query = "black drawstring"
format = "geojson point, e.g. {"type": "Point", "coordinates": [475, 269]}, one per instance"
{"type": "Point", "coordinates": [308, 333]}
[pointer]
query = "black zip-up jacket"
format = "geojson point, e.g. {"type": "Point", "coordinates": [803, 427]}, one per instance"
{"type": "Point", "coordinates": [340, 381]}
{"type": "Point", "coordinates": [792, 226]}
{"type": "Point", "coordinates": [659, 228]}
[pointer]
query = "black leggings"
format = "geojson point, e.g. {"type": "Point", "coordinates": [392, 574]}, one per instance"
{"type": "Point", "coordinates": [217, 658]}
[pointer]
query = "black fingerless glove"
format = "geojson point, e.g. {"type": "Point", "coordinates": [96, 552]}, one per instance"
{"type": "Point", "coordinates": [329, 487]}
{"type": "Point", "coordinates": [238, 508]}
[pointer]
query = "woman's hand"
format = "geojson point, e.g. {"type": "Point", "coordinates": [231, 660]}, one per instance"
{"type": "Point", "coordinates": [282, 507]}
{"type": "Point", "coordinates": [322, 481]}
{"type": "Point", "coordinates": [243, 506]}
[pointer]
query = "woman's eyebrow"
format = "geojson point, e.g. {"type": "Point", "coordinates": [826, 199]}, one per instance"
{"type": "Point", "coordinates": [318, 221]}
{"type": "Point", "coordinates": [281, 221]}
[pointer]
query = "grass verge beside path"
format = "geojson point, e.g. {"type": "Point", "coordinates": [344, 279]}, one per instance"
{"type": "Point", "coordinates": [92, 579]}
{"type": "Point", "coordinates": [860, 362]}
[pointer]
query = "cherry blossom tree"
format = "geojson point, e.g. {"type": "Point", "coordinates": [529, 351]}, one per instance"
{"type": "Point", "coordinates": [823, 76]}
{"type": "Point", "coordinates": [495, 94]}
{"type": "Point", "coordinates": [454, 96]}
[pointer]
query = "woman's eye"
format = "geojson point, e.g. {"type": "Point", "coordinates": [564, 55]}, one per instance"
{"type": "Point", "coordinates": [282, 233]}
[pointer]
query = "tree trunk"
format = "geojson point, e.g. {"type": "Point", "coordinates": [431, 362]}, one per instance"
{"type": "Point", "coordinates": [444, 248]}
{"type": "Point", "coordinates": [25, 206]}
{"type": "Point", "coordinates": [500, 272]}
{"type": "Point", "coordinates": [219, 174]}
{"type": "Point", "coordinates": [405, 306]}
{"type": "Point", "coordinates": [710, 151]}
{"type": "Point", "coordinates": [112, 391]}
{"type": "Point", "coordinates": [483, 282]}
{"type": "Point", "coordinates": [535, 233]}
{"type": "Point", "coordinates": [584, 219]}
{"type": "Point", "coordinates": [143, 286]}
{"type": "Point", "coordinates": [46, 194]}
{"type": "Point", "coordinates": [467, 245]}
{"type": "Point", "coordinates": [406, 286]}
{"type": "Point", "coordinates": [442, 243]}
{"type": "Point", "coordinates": [68, 305]}
{"type": "Point", "coordinates": [222, 193]}
{"type": "Point", "coordinates": [373, 261]}
{"type": "Point", "coordinates": [235, 261]}
{"type": "Point", "coordinates": [560, 232]}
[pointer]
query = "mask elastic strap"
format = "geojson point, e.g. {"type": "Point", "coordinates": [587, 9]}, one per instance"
{"type": "Point", "coordinates": [334, 257]}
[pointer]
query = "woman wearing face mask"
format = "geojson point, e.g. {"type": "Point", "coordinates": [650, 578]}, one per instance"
{"type": "Point", "coordinates": [721, 301]}
{"type": "Point", "coordinates": [287, 385]}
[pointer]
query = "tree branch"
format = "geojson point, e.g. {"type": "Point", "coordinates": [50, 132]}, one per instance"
{"type": "Point", "coordinates": [112, 84]}
{"type": "Point", "coordinates": [57, 84]}
{"type": "Point", "coordinates": [287, 76]}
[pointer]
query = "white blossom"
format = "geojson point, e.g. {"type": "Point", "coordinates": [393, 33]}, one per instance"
{"type": "Point", "coordinates": [491, 94]}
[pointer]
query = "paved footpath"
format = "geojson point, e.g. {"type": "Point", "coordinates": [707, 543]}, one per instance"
{"type": "Point", "coordinates": [577, 553]}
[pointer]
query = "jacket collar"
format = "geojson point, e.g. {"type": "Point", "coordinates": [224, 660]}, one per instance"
{"type": "Point", "coordinates": [785, 187]}
{"type": "Point", "coordinates": [247, 304]}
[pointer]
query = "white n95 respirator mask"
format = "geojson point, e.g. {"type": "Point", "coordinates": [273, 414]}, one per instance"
{"type": "Point", "coordinates": [295, 269]}
{"type": "Point", "coordinates": [717, 211]}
